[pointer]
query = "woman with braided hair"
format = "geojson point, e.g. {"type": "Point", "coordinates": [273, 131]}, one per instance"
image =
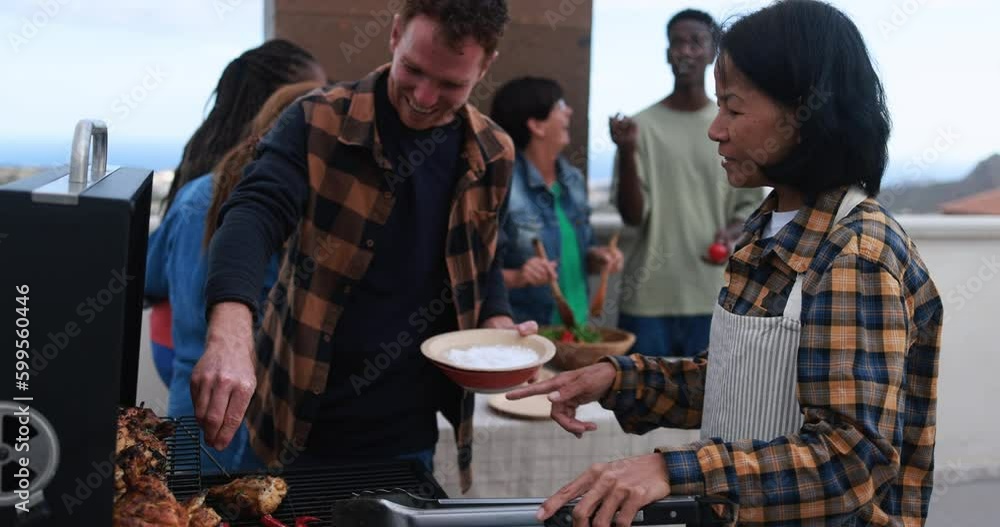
{"type": "Point", "coordinates": [246, 82]}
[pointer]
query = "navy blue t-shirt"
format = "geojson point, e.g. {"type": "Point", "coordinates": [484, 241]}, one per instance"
{"type": "Point", "coordinates": [382, 393]}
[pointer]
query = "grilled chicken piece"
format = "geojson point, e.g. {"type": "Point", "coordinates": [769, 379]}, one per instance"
{"type": "Point", "coordinates": [140, 426]}
{"type": "Point", "coordinates": [119, 482]}
{"type": "Point", "coordinates": [201, 515]}
{"type": "Point", "coordinates": [146, 419]}
{"type": "Point", "coordinates": [137, 460]}
{"type": "Point", "coordinates": [148, 503]}
{"type": "Point", "coordinates": [252, 496]}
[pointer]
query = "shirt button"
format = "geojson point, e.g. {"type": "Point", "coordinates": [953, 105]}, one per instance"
{"type": "Point", "coordinates": [370, 243]}
{"type": "Point", "coordinates": [347, 289]}
{"type": "Point", "coordinates": [327, 337]}
{"type": "Point", "coordinates": [317, 391]}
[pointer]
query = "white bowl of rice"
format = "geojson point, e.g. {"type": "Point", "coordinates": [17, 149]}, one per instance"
{"type": "Point", "coordinates": [488, 360]}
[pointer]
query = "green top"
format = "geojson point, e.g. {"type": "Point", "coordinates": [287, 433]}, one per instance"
{"type": "Point", "coordinates": [686, 199]}
{"type": "Point", "coordinates": [572, 276]}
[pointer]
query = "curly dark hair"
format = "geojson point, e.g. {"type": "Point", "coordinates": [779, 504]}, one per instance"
{"type": "Point", "coordinates": [483, 20]}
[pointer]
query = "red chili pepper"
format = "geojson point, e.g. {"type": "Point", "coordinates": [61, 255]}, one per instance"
{"type": "Point", "coordinates": [270, 521]}
{"type": "Point", "coordinates": [567, 336]}
{"type": "Point", "coordinates": [304, 521]}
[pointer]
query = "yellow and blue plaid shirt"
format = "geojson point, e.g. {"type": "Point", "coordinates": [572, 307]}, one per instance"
{"type": "Point", "coordinates": [867, 377]}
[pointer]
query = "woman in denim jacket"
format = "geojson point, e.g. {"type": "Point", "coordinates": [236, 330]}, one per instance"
{"type": "Point", "coordinates": [548, 201]}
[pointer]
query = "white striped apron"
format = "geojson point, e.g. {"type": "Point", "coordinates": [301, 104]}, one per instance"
{"type": "Point", "coordinates": [750, 385]}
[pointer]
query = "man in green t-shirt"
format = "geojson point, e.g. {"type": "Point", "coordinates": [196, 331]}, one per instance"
{"type": "Point", "coordinates": [671, 191]}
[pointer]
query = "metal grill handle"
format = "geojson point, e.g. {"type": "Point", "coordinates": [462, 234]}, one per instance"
{"type": "Point", "coordinates": [89, 138]}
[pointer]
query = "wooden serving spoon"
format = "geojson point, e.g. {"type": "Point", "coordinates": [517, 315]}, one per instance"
{"type": "Point", "coordinates": [564, 310]}
{"type": "Point", "coordinates": [597, 305]}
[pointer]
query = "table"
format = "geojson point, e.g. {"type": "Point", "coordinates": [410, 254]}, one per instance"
{"type": "Point", "coordinates": [518, 458]}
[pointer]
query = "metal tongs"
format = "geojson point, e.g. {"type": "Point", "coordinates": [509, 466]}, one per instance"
{"type": "Point", "coordinates": [398, 508]}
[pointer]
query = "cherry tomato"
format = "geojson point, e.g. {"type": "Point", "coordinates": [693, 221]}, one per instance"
{"type": "Point", "coordinates": [718, 253]}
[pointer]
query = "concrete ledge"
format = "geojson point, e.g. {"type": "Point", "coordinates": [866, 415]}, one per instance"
{"type": "Point", "coordinates": [951, 227]}
{"type": "Point", "coordinates": [923, 226]}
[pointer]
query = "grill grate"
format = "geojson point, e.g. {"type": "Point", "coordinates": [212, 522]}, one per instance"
{"type": "Point", "coordinates": [184, 458]}
{"type": "Point", "coordinates": [312, 491]}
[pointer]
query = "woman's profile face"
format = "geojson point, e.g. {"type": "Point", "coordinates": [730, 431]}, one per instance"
{"type": "Point", "coordinates": [752, 130]}
{"type": "Point", "coordinates": [554, 130]}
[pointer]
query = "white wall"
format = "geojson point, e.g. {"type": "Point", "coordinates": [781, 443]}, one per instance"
{"type": "Point", "coordinates": [963, 255]}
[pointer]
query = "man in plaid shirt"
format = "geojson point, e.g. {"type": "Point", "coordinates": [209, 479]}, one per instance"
{"type": "Point", "coordinates": [816, 398]}
{"type": "Point", "coordinates": [387, 194]}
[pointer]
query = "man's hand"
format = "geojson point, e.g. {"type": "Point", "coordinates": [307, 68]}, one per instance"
{"type": "Point", "coordinates": [630, 202]}
{"type": "Point", "coordinates": [621, 487]}
{"type": "Point", "coordinates": [624, 132]}
{"type": "Point", "coordinates": [538, 271]}
{"type": "Point", "coordinates": [504, 322]}
{"type": "Point", "coordinates": [728, 236]}
{"type": "Point", "coordinates": [224, 379]}
{"type": "Point", "coordinates": [607, 257]}
{"type": "Point", "coordinates": [569, 390]}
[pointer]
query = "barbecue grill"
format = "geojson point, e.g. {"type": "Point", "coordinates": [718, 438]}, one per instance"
{"type": "Point", "coordinates": [402, 494]}
{"type": "Point", "coordinates": [78, 240]}
{"type": "Point", "coordinates": [73, 254]}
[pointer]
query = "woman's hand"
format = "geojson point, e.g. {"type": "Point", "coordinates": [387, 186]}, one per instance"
{"type": "Point", "coordinates": [607, 257]}
{"type": "Point", "coordinates": [570, 389]}
{"type": "Point", "coordinates": [621, 487]}
{"type": "Point", "coordinates": [538, 271]}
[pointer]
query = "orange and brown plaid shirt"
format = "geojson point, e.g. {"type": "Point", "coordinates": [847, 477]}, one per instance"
{"type": "Point", "coordinates": [350, 194]}
{"type": "Point", "coordinates": [867, 377]}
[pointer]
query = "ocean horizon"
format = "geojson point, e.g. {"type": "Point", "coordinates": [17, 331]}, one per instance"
{"type": "Point", "coordinates": [154, 155]}
{"type": "Point", "coordinates": [159, 154]}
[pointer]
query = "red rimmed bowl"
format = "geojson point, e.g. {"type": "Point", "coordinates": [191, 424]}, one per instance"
{"type": "Point", "coordinates": [487, 380]}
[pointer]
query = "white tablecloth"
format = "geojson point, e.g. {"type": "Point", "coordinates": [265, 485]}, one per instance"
{"type": "Point", "coordinates": [535, 458]}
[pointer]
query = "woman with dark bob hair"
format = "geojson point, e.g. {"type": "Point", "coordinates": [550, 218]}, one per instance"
{"type": "Point", "coordinates": [819, 405]}
{"type": "Point", "coordinates": [548, 202]}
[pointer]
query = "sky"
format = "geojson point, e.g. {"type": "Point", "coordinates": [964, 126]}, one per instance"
{"type": "Point", "coordinates": [148, 68]}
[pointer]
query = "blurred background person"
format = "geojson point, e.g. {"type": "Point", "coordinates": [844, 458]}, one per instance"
{"type": "Point", "coordinates": [246, 82]}
{"type": "Point", "coordinates": [548, 201]}
{"type": "Point", "coordinates": [671, 191]}
{"type": "Point", "coordinates": [176, 265]}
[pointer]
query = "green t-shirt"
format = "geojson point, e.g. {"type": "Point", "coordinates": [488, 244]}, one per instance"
{"type": "Point", "coordinates": [572, 277]}
{"type": "Point", "coordinates": [686, 198]}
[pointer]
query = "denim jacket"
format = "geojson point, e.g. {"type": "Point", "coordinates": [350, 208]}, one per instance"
{"type": "Point", "coordinates": [532, 214]}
